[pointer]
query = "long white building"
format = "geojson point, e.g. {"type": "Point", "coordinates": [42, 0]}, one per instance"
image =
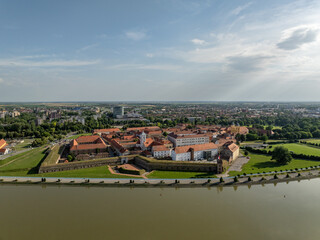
{"type": "Point", "coordinates": [195, 152]}
{"type": "Point", "coordinates": [185, 140]}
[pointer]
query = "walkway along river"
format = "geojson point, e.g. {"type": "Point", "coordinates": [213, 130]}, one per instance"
{"type": "Point", "coordinates": [252, 179]}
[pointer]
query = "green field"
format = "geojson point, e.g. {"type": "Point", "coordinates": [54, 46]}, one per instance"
{"type": "Point", "coordinates": [79, 135]}
{"type": "Point", "coordinates": [21, 146]}
{"type": "Point", "coordinates": [259, 163]}
{"type": "Point", "coordinates": [313, 141]}
{"type": "Point", "coordinates": [174, 174]}
{"type": "Point", "coordinates": [300, 148]}
{"type": "Point", "coordinates": [96, 172]}
{"type": "Point", "coordinates": [27, 164]}
{"type": "Point", "coordinates": [53, 156]}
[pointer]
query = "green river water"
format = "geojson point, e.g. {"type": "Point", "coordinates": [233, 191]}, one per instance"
{"type": "Point", "coordinates": [285, 211]}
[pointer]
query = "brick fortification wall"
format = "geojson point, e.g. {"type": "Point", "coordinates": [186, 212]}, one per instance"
{"type": "Point", "coordinates": [176, 166]}
{"type": "Point", "coordinates": [143, 162]}
{"type": "Point", "coordinates": [79, 165]}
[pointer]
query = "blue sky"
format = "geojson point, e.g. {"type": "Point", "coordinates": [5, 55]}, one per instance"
{"type": "Point", "coordinates": [159, 50]}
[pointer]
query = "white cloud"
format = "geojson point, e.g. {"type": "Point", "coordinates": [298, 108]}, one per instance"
{"type": "Point", "coordinates": [1, 80]}
{"type": "Point", "coordinates": [144, 67]}
{"type": "Point", "coordinates": [47, 63]}
{"type": "Point", "coordinates": [136, 35]}
{"type": "Point", "coordinates": [150, 55]}
{"type": "Point", "coordinates": [197, 41]}
{"type": "Point", "coordinates": [85, 48]}
{"type": "Point", "coordinates": [239, 9]}
{"type": "Point", "coordinates": [294, 38]}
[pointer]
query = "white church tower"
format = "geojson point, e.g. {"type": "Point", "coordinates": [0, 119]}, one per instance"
{"type": "Point", "coordinates": [143, 138]}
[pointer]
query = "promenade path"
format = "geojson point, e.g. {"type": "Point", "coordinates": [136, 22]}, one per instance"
{"type": "Point", "coordinates": [166, 182]}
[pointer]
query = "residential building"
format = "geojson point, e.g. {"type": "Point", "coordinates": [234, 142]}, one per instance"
{"type": "Point", "coordinates": [184, 140]}
{"type": "Point", "coordinates": [161, 151]}
{"type": "Point", "coordinates": [106, 131]}
{"type": "Point", "coordinates": [88, 145]}
{"type": "Point", "coordinates": [195, 152]}
{"type": "Point", "coordinates": [230, 151]}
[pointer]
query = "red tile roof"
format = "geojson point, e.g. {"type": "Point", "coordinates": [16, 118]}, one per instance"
{"type": "Point", "coordinates": [160, 148]}
{"type": "Point", "coordinates": [152, 128]}
{"type": "Point", "coordinates": [198, 147]}
{"type": "Point", "coordinates": [233, 147]}
{"type": "Point", "coordinates": [3, 143]}
{"type": "Point", "coordinates": [87, 142]}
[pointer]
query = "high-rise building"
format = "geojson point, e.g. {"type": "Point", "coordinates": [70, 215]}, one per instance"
{"type": "Point", "coordinates": [118, 111]}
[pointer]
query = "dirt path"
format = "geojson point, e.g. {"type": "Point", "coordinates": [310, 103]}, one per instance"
{"type": "Point", "coordinates": [123, 174]}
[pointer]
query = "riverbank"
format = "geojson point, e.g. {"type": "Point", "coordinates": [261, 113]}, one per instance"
{"type": "Point", "coordinates": [134, 182]}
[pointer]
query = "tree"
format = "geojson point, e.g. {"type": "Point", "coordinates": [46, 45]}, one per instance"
{"type": "Point", "coordinates": [264, 138]}
{"type": "Point", "coordinates": [281, 155]}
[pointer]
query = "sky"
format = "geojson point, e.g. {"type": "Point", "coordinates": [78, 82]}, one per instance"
{"type": "Point", "coordinates": [152, 50]}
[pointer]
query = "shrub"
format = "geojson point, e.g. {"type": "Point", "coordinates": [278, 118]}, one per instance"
{"type": "Point", "coordinates": [275, 176]}
{"type": "Point", "coordinates": [287, 176]}
{"type": "Point", "coordinates": [235, 179]}
{"type": "Point", "coordinates": [221, 179]}
{"type": "Point", "coordinates": [249, 179]}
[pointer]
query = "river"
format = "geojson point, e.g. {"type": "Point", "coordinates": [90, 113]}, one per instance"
{"type": "Point", "coordinates": [285, 211]}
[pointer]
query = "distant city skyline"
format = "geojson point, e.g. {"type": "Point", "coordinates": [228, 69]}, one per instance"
{"type": "Point", "coordinates": [173, 50]}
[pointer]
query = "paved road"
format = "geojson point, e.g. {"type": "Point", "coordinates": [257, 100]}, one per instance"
{"type": "Point", "coordinates": [235, 166]}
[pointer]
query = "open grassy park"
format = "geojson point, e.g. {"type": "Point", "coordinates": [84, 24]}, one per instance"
{"type": "Point", "coordinates": [259, 163]}
{"type": "Point", "coordinates": [24, 145]}
{"type": "Point", "coordinates": [317, 141]}
{"type": "Point", "coordinates": [299, 148]}
{"type": "Point", "coordinates": [25, 163]}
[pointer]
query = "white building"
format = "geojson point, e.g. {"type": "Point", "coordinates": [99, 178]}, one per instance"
{"type": "Point", "coordinates": [161, 151]}
{"type": "Point", "coordinates": [185, 140]}
{"type": "Point", "coordinates": [195, 152]}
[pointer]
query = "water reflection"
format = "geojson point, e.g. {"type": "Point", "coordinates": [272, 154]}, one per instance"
{"type": "Point", "coordinates": [271, 211]}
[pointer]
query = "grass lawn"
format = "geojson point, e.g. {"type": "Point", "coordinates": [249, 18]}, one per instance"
{"type": "Point", "coordinates": [96, 172]}
{"type": "Point", "coordinates": [53, 156]}
{"type": "Point", "coordinates": [300, 148]}
{"type": "Point", "coordinates": [262, 163]}
{"type": "Point", "coordinates": [313, 140]}
{"type": "Point", "coordinates": [23, 161]}
{"type": "Point", "coordinates": [24, 145]}
{"type": "Point", "coordinates": [26, 165]}
{"type": "Point", "coordinates": [174, 174]}
{"type": "Point", "coordinates": [79, 135]}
